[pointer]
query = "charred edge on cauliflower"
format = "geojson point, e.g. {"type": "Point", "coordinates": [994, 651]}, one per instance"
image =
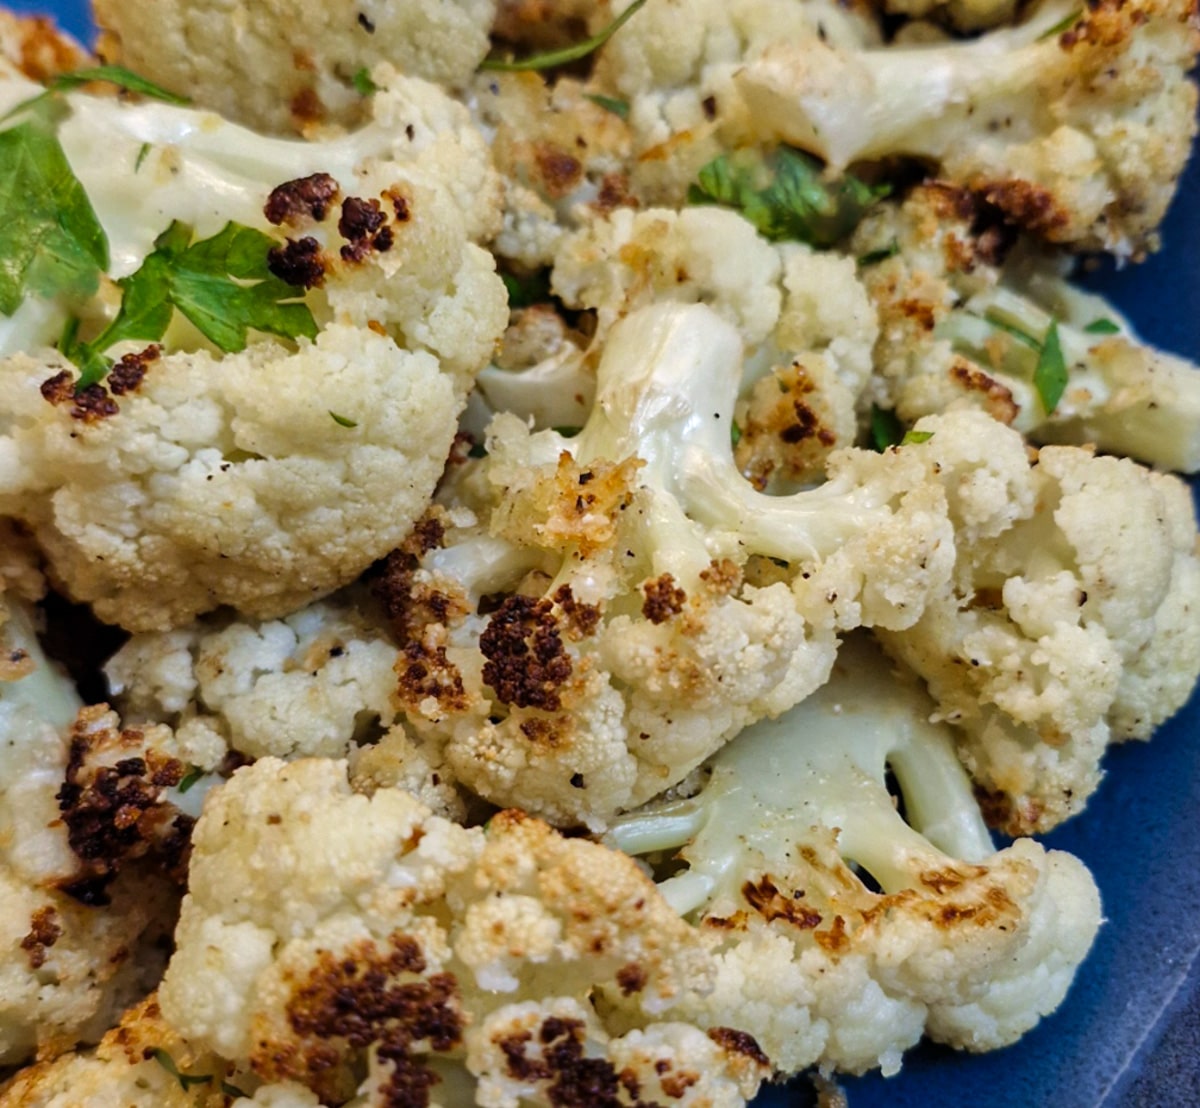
{"type": "Point", "coordinates": [304, 199]}
{"type": "Point", "coordinates": [114, 814]}
{"type": "Point", "coordinates": [364, 226]}
{"type": "Point", "coordinates": [299, 262]}
{"type": "Point", "coordinates": [527, 663]}
{"type": "Point", "coordinates": [352, 1000]}
{"type": "Point", "coordinates": [664, 599]}
{"type": "Point", "coordinates": [574, 1080]}
{"type": "Point", "coordinates": [94, 403]}
{"type": "Point", "coordinates": [44, 931]}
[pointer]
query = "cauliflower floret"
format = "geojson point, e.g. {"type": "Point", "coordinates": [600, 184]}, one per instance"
{"type": "Point", "coordinates": [625, 602]}
{"type": "Point", "coordinates": [264, 478]}
{"type": "Point", "coordinates": [1077, 133]}
{"type": "Point", "coordinates": [964, 319]}
{"type": "Point", "coordinates": [142, 1063]}
{"type": "Point", "coordinates": [969, 945]}
{"type": "Point", "coordinates": [1064, 626]}
{"type": "Point", "coordinates": [563, 155]}
{"type": "Point", "coordinates": [306, 685]}
{"type": "Point", "coordinates": [803, 316]}
{"type": "Point", "coordinates": [678, 72]}
{"type": "Point", "coordinates": [286, 64]}
{"type": "Point", "coordinates": [80, 916]}
{"type": "Point", "coordinates": [320, 923]}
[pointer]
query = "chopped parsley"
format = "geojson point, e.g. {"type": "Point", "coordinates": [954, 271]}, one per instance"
{"type": "Point", "coordinates": [362, 82]}
{"type": "Point", "coordinates": [915, 438]}
{"type": "Point", "coordinates": [186, 1080]}
{"type": "Point", "coordinates": [143, 150]}
{"type": "Point", "coordinates": [874, 257]}
{"type": "Point", "coordinates": [785, 195]}
{"type": "Point", "coordinates": [189, 779]}
{"type": "Point", "coordinates": [343, 421]}
{"type": "Point", "coordinates": [1102, 326]}
{"type": "Point", "coordinates": [117, 75]}
{"type": "Point", "coordinates": [552, 59]}
{"type": "Point", "coordinates": [610, 104]}
{"type": "Point", "coordinates": [222, 284]}
{"type": "Point", "coordinates": [1050, 374]}
{"type": "Point", "coordinates": [1064, 24]}
{"type": "Point", "coordinates": [886, 428]}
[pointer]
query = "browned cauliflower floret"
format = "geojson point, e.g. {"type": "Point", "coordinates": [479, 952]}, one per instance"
{"type": "Point", "coordinates": [279, 65]}
{"type": "Point", "coordinates": [966, 311]}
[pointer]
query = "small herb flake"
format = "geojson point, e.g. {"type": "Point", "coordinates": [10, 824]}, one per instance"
{"type": "Point", "coordinates": [524, 291]}
{"type": "Point", "coordinates": [915, 438]}
{"type": "Point", "coordinates": [143, 150]}
{"type": "Point", "coordinates": [610, 104]}
{"type": "Point", "coordinates": [554, 58]}
{"type": "Point", "coordinates": [1050, 375]}
{"type": "Point", "coordinates": [362, 82]}
{"type": "Point", "coordinates": [189, 779]}
{"type": "Point", "coordinates": [343, 421]}
{"type": "Point", "coordinates": [886, 429]}
{"type": "Point", "coordinates": [117, 75]}
{"type": "Point", "coordinates": [735, 434]}
{"type": "Point", "coordinates": [568, 432]}
{"type": "Point", "coordinates": [785, 195]}
{"type": "Point", "coordinates": [1064, 24]}
{"type": "Point", "coordinates": [874, 257]}
{"type": "Point", "coordinates": [186, 1080]}
{"type": "Point", "coordinates": [1102, 326]}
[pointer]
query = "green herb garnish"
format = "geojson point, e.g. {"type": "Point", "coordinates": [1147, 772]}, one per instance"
{"type": "Point", "coordinates": [735, 434]}
{"type": "Point", "coordinates": [186, 1080]}
{"type": "Point", "coordinates": [51, 242]}
{"type": "Point", "coordinates": [222, 284]}
{"type": "Point", "coordinates": [567, 432]}
{"type": "Point", "coordinates": [343, 421]}
{"type": "Point", "coordinates": [362, 82]}
{"type": "Point", "coordinates": [886, 428]}
{"type": "Point", "coordinates": [610, 104]}
{"type": "Point", "coordinates": [551, 59]}
{"type": "Point", "coordinates": [1050, 375]}
{"type": "Point", "coordinates": [524, 291]}
{"type": "Point", "coordinates": [189, 779]}
{"type": "Point", "coordinates": [115, 75]}
{"type": "Point", "coordinates": [915, 438]}
{"type": "Point", "coordinates": [1102, 326]}
{"type": "Point", "coordinates": [143, 150]}
{"type": "Point", "coordinates": [1064, 24]}
{"type": "Point", "coordinates": [874, 257]}
{"type": "Point", "coordinates": [785, 195]}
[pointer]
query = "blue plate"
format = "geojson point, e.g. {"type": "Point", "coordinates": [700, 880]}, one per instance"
{"type": "Point", "coordinates": [1140, 835]}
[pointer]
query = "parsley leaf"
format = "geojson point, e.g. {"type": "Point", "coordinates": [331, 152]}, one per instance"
{"type": "Point", "coordinates": [524, 291]}
{"type": "Point", "coordinates": [51, 242]}
{"type": "Point", "coordinates": [115, 75]}
{"type": "Point", "coordinates": [554, 58]}
{"type": "Point", "coordinates": [610, 104]}
{"type": "Point", "coordinates": [915, 438]}
{"type": "Point", "coordinates": [785, 195]}
{"type": "Point", "coordinates": [222, 284]}
{"type": "Point", "coordinates": [343, 421]}
{"type": "Point", "coordinates": [886, 429]}
{"type": "Point", "coordinates": [1102, 326]}
{"type": "Point", "coordinates": [186, 1080]}
{"type": "Point", "coordinates": [874, 257]}
{"type": "Point", "coordinates": [1064, 24]}
{"type": "Point", "coordinates": [362, 82]}
{"type": "Point", "coordinates": [1050, 375]}
{"type": "Point", "coordinates": [189, 779]}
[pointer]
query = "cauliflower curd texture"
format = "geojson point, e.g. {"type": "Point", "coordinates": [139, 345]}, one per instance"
{"type": "Point", "coordinates": [538, 540]}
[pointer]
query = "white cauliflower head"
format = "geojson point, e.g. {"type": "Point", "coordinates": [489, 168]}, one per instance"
{"type": "Point", "coordinates": [1065, 624]}
{"type": "Point", "coordinates": [951, 939]}
{"type": "Point", "coordinates": [285, 64]}
{"type": "Point", "coordinates": [267, 476]}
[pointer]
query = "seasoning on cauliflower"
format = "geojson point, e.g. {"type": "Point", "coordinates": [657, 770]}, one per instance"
{"type": "Point", "coordinates": [325, 929]}
{"type": "Point", "coordinates": [1069, 620]}
{"type": "Point", "coordinates": [1077, 133]}
{"type": "Point", "coordinates": [270, 475]}
{"type": "Point", "coordinates": [822, 967]}
{"type": "Point", "coordinates": [288, 65]}
{"type": "Point", "coordinates": [965, 315]}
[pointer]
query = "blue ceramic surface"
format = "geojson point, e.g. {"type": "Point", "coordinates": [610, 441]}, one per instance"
{"type": "Point", "coordinates": [1140, 835]}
